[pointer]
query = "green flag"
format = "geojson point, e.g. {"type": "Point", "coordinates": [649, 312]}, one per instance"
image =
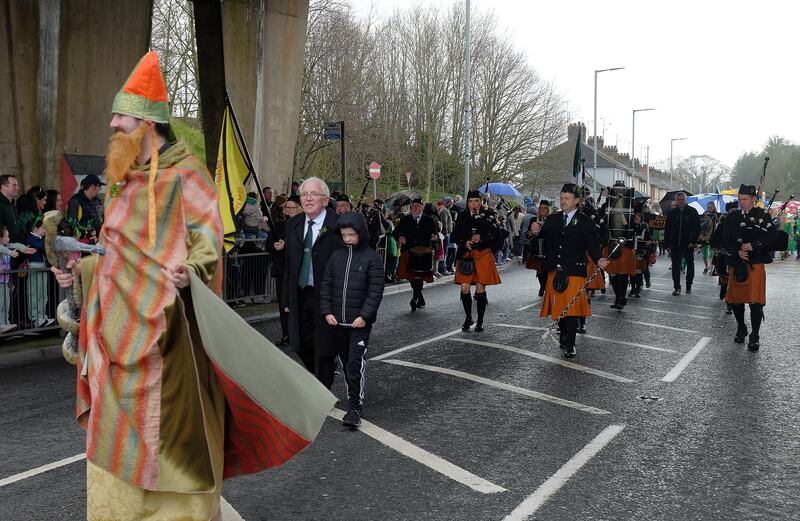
{"type": "Point", "coordinates": [576, 160]}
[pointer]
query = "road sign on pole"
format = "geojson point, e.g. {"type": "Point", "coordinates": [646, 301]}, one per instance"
{"type": "Point", "coordinates": [374, 170]}
{"type": "Point", "coordinates": [332, 131]}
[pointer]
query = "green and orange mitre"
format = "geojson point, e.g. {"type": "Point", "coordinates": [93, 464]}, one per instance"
{"type": "Point", "coordinates": [144, 94]}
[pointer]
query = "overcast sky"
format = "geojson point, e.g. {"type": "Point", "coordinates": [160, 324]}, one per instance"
{"type": "Point", "coordinates": [724, 74]}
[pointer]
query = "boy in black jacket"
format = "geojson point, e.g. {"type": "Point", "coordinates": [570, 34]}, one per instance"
{"type": "Point", "coordinates": [351, 292]}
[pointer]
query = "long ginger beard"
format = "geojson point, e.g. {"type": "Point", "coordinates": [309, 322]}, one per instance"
{"type": "Point", "coordinates": [123, 151]}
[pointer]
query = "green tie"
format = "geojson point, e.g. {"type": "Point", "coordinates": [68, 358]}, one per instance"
{"type": "Point", "coordinates": [305, 267]}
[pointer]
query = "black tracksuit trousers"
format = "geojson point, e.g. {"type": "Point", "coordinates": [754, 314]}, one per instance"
{"type": "Point", "coordinates": [352, 345]}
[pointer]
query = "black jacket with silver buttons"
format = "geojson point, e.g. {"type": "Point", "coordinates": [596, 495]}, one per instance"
{"type": "Point", "coordinates": [568, 247]}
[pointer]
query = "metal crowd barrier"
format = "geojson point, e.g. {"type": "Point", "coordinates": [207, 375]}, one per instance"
{"type": "Point", "coordinates": [247, 275]}
{"type": "Point", "coordinates": [28, 300]}
{"type": "Point", "coordinates": [29, 297]}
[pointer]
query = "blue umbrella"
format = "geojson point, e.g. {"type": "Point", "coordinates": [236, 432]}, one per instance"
{"type": "Point", "coordinates": [500, 189]}
{"type": "Point", "coordinates": [700, 201]}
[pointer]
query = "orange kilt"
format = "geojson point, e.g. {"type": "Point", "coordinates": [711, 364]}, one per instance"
{"type": "Point", "coordinates": [599, 282]}
{"type": "Point", "coordinates": [622, 265]}
{"type": "Point", "coordinates": [554, 303]}
{"type": "Point", "coordinates": [403, 273]}
{"type": "Point", "coordinates": [485, 271]}
{"type": "Point", "coordinates": [751, 291]}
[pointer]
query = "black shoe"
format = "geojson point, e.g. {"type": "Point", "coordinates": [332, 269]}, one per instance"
{"type": "Point", "coordinates": [603, 291]}
{"type": "Point", "coordinates": [676, 292]}
{"type": "Point", "coordinates": [541, 292]}
{"type": "Point", "coordinates": [705, 271]}
{"type": "Point", "coordinates": [282, 342]}
{"type": "Point", "coordinates": [688, 290]}
{"type": "Point", "coordinates": [413, 304]}
{"type": "Point", "coordinates": [637, 294]}
{"type": "Point", "coordinates": [581, 330]}
{"type": "Point", "coordinates": [632, 293]}
{"type": "Point", "coordinates": [479, 327]}
{"type": "Point", "coordinates": [752, 343]}
{"type": "Point", "coordinates": [467, 323]}
{"type": "Point", "coordinates": [647, 284]}
{"type": "Point", "coordinates": [569, 352]}
{"type": "Point", "coordinates": [615, 306]}
{"type": "Point", "coordinates": [729, 311]}
{"type": "Point", "coordinates": [741, 332]}
{"type": "Point", "coordinates": [352, 418]}
{"type": "Point", "coordinates": [420, 302]}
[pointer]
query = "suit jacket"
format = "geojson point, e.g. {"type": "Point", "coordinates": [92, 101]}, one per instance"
{"type": "Point", "coordinates": [321, 251]}
{"type": "Point", "coordinates": [754, 227]}
{"type": "Point", "coordinates": [416, 234]}
{"type": "Point", "coordinates": [568, 247]}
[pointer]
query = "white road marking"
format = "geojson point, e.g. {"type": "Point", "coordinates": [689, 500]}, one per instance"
{"type": "Point", "coordinates": [535, 303]}
{"type": "Point", "coordinates": [687, 358]}
{"type": "Point", "coordinates": [412, 346]}
{"type": "Point", "coordinates": [545, 358]}
{"type": "Point", "coordinates": [695, 295]}
{"type": "Point", "coordinates": [673, 313]}
{"type": "Point", "coordinates": [674, 302]}
{"type": "Point", "coordinates": [421, 455]}
{"type": "Point", "coordinates": [602, 339]}
{"type": "Point", "coordinates": [228, 512]}
{"type": "Point", "coordinates": [500, 385]}
{"type": "Point", "coordinates": [693, 283]}
{"type": "Point", "coordinates": [540, 496]}
{"type": "Point", "coordinates": [39, 470]}
{"type": "Point", "coordinates": [644, 323]}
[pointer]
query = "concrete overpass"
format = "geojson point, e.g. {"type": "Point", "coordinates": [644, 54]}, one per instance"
{"type": "Point", "coordinates": [64, 61]}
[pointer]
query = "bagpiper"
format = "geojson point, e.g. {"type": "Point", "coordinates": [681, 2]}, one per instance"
{"type": "Point", "coordinates": [569, 235]}
{"type": "Point", "coordinates": [415, 232]}
{"type": "Point", "coordinates": [719, 261]}
{"type": "Point", "coordinates": [747, 236]}
{"type": "Point", "coordinates": [598, 281]}
{"type": "Point", "coordinates": [622, 265]}
{"type": "Point", "coordinates": [535, 253]}
{"type": "Point", "coordinates": [475, 234]}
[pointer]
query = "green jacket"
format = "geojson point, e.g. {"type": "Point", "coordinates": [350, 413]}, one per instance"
{"type": "Point", "coordinates": [10, 219]}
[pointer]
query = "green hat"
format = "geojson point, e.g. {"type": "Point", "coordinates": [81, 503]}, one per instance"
{"type": "Point", "coordinates": [144, 94]}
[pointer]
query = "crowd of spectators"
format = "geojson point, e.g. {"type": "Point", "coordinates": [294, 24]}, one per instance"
{"type": "Point", "coordinates": [28, 295]}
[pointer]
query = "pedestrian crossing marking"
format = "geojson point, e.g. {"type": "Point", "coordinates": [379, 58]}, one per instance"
{"type": "Point", "coordinates": [500, 385]}
{"type": "Point", "coordinates": [545, 358]}
{"type": "Point", "coordinates": [593, 337]}
{"type": "Point", "coordinates": [430, 460]}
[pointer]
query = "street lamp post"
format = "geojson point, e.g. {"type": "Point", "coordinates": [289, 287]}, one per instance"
{"type": "Point", "coordinates": [671, 141]}
{"type": "Point", "coordinates": [633, 140]}
{"type": "Point", "coordinates": [467, 99]}
{"type": "Point", "coordinates": [594, 141]}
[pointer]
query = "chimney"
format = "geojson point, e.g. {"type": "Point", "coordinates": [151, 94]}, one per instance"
{"type": "Point", "coordinates": [590, 141]}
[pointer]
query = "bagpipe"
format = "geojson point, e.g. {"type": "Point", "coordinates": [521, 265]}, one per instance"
{"type": "Point", "coordinates": [60, 250]}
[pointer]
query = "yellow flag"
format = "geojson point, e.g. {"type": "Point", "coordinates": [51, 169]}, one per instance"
{"type": "Point", "coordinates": [231, 174]}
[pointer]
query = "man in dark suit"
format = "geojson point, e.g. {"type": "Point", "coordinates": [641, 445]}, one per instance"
{"type": "Point", "coordinates": [680, 235]}
{"type": "Point", "coordinates": [310, 241]}
{"type": "Point", "coordinates": [569, 236]}
{"type": "Point", "coordinates": [415, 230]}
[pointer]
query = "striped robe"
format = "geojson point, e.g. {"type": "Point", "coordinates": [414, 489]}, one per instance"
{"type": "Point", "coordinates": [151, 394]}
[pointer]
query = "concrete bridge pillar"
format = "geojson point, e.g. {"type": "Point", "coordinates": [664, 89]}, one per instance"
{"type": "Point", "coordinates": [264, 46]}
{"type": "Point", "coordinates": [63, 62]}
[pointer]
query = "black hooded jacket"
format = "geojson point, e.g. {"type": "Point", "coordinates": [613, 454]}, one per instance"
{"type": "Point", "coordinates": [352, 284]}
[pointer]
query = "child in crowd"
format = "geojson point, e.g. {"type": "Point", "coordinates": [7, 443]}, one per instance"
{"type": "Point", "coordinates": [37, 278]}
{"type": "Point", "coordinates": [7, 251]}
{"type": "Point", "coordinates": [351, 292]}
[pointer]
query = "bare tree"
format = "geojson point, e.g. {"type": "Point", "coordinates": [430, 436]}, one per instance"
{"type": "Point", "coordinates": [173, 37]}
{"type": "Point", "coordinates": [703, 173]}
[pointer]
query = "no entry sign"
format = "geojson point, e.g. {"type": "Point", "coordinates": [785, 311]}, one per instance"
{"type": "Point", "coordinates": [374, 170]}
